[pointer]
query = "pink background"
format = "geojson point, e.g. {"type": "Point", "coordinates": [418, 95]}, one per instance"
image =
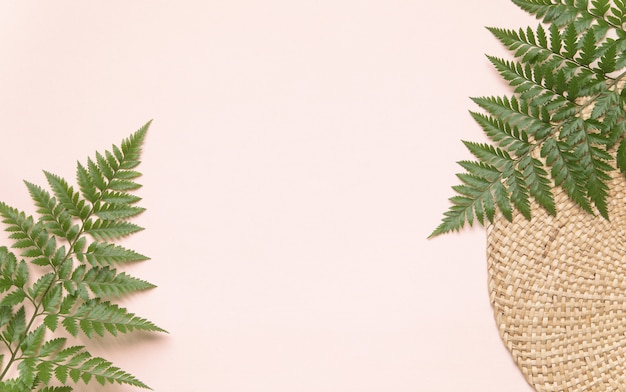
{"type": "Point", "coordinates": [301, 153]}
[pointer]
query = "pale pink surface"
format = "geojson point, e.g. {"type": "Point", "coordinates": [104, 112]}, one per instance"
{"type": "Point", "coordinates": [300, 154]}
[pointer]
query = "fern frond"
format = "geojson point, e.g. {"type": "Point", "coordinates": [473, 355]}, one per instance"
{"type": "Point", "coordinates": [476, 199]}
{"type": "Point", "coordinates": [102, 253]}
{"type": "Point", "coordinates": [131, 148]}
{"type": "Point", "coordinates": [608, 59]}
{"type": "Point", "coordinates": [12, 273]}
{"type": "Point", "coordinates": [102, 230]}
{"type": "Point", "coordinates": [600, 7]}
{"type": "Point", "coordinates": [538, 183]}
{"type": "Point", "coordinates": [15, 385]}
{"type": "Point", "coordinates": [493, 156]}
{"type": "Point", "coordinates": [66, 240]}
{"type": "Point", "coordinates": [98, 317]}
{"type": "Point", "coordinates": [617, 15]}
{"type": "Point", "coordinates": [504, 135]}
{"type": "Point", "coordinates": [41, 285]}
{"type": "Point", "coordinates": [32, 343]}
{"type": "Point", "coordinates": [518, 190]}
{"type": "Point", "coordinates": [76, 364]}
{"type": "Point", "coordinates": [16, 326]}
{"type": "Point", "coordinates": [113, 197]}
{"type": "Point", "coordinates": [109, 211]}
{"type": "Point", "coordinates": [30, 236]}
{"type": "Point", "coordinates": [557, 14]}
{"type": "Point", "coordinates": [518, 113]}
{"type": "Point", "coordinates": [576, 13]}
{"type": "Point", "coordinates": [67, 197]}
{"type": "Point", "coordinates": [13, 298]}
{"type": "Point", "coordinates": [523, 44]}
{"type": "Point", "coordinates": [566, 172]}
{"type": "Point", "coordinates": [529, 83]}
{"type": "Point", "coordinates": [105, 282]}
{"type": "Point", "coordinates": [54, 216]}
{"type": "Point", "coordinates": [565, 115]}
{"type": "Point", "coordinates": [587, 53]}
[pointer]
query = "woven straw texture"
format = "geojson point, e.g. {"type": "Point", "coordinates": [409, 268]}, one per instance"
{"type": "Point", "coordinates": [558, 289]}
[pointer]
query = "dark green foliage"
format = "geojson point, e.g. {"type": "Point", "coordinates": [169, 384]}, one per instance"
{"type": "Point", "coordinates": [563, 126]}
{"type": "Point", "coordinates": [63, 275]}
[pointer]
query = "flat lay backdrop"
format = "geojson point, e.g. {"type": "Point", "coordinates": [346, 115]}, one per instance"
{"type": "Point", "coordinates": [300, 154]}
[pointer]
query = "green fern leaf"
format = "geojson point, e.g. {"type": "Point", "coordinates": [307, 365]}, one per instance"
{"type": "Point", "coordinates": [12, 273]}
{"type": "Point", "coordinates": [102, 253]}
{"type": "Point", "coordinates": [67, 292]}
{"type": "Point", "coordinates": [57, 389]}
{"type": "Point", "coordinates": [518, 191]}
{"type": "Point", "coordinates": [608, 61]}
{"type": "Point", "coordinates": [112, 197]}
{"type": "Point", "coordinates": [116, 211]}
{"type": "Point", "coordinates": [80, 366]}
{"type": "Point", "coordinates": [51, 321]}
{"type": "Point", "coordinates": [100, 317]}
{"type": "Point", "coordinates": [52, 299]}
{"type": "Point", "coordinates": [556, 40]}
{"type": "Point", "coordinates": [558, 14]}
{"type": "Point", "coordinates": [538, 183]}
{"type": "Point", "coordinates": [525, 84]}
{"type": "Point", "coordinates": [604, 103]}
{"type": "Point", "coordinates": [32, 342]}
{"type": "Point", "coordinates": [16, 326]}
{"type": "Point", "coordinates": [489, 154]}
{"type": "Point", "coordinates": [570, 42]}
{"type": "Point", "coordinates": [464, 208]}
{"type": "Point", "coordinates": [6, 315]}
{"type": "Point", "coordinates": [52, 346]}
{"type": "Point", "coordinates": [479, 169]}
{"type": "Point", "coordinates": [566, 172]}
{"type": "Point", "coordinates": [44, 372]}
{"type": "Point", "coordinates": [13, 298]}
{"type": "Point", "coordinates": [123, 185]}
{"type": "Point", "coordinates": [41, 285]}
{"type": "Point", "coordinates": [620, 157]}
{"type": "Point", "coordinates": [105, 166]}
{"type": "Point", "coordinates": [576, 56]}
{"type": "Point", "coordinates": [592, 162]}
{"type": "Point", "coordinates": [67, 197]}
{"type": "Point", "coordinates": [617, 13]}
{"type": "Point", "coordinates": [103, 282]}
{"type": "Point", "coordinates": [542, 37]}
{"type": "Point", "coordinates": [588, 50]}
{"type": "Point", "coordinates": [56, 219]}
{"type": "Point", "coordinates": [28, 235]}
{"type": "Point", "coordinates": [102, 230]}
{"type": "Point", "coordinates": [518, 42]}
{"type": "Point", "coordinates": [600, 7]}
{"type": "Point", "coordinates": [96, 175]}
{"type": "Point", "coordinates": [16, 385]}
{"type": "Point", "coordinates": [512, 112]}
{"type": "Point", "coordinates": [106, 282]}
{"type": "Point", "coordinates": [26, 369]}
{"type": "Point", "coordinates": [86, 185]}
{"type": "Point", "coordinates": [131, 148]}
{"type": "Point", "coordinates": [502, 200]}
{"type": "Point", "coordinates": [21, 274]}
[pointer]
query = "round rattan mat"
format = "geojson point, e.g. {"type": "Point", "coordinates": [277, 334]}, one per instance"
{"type": "Point", "coordinates": [558, 289]}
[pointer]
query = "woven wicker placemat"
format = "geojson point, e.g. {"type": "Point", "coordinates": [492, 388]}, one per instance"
{"type": "Point", "coordinates": [558, 289]}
